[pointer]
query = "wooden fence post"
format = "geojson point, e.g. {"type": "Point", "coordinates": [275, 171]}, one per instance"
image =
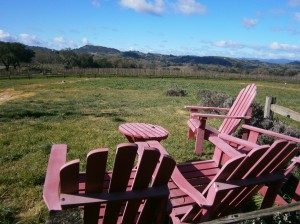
{"type": "Point", "coordinates": [269, 100]}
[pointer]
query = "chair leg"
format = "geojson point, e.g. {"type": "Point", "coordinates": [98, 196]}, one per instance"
{"type": "Point", "coordinates": [296, 196]}
{"type": "Point", "coordinates": [271, 194]}
{"type": "Point", "coordinates": [191, 134]}
{"type": "Point", "coordinates": [199, 142]}
{"type": "Point", "coordinates": [200, 132]}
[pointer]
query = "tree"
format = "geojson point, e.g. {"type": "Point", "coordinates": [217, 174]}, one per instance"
{"type": "Point", "coordinates": [85, 61]}
{"type": "Point", "coordinates": [14, 53]}
{"type": "Point", "coordinates": [69, 58]}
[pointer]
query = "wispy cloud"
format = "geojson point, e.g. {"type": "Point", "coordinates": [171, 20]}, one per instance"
{"type": "Point", "coordinates": [190, 7]}
{"type": "Point", "coordinates": [291, 29]}
{"type": "Point", "coordinates": [284, 47]}
{"type": "Point", "coordinates": [96, 3]}
{"type": "Point", "coordinates": [297, 16]}
{"type": "Point", "coordinates": [22, 38]}
{"type": "Point", "coordinates": [294, 3]}
{"type": "Point", "coordinates": [85, 41]}
{"type": "Point", "coordinates": [250, 23]}
{"type": "Point", "coordinates": [4, 36]}
{"type": "Point", "coordinates": [153, 7]}
{"type": "Point", "coordinates": [228, 44]}
{"type": "Point", "coordinates": [29, 39]}
{"type": "Point", "coordinates": [61, 42]}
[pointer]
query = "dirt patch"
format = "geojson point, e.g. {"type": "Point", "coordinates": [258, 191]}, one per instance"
{"type": "Point", "coordinates": [12, 94]}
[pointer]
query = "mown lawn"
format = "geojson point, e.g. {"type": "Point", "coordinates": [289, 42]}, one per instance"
{"type": "Point", "coordinates": [85, 114]}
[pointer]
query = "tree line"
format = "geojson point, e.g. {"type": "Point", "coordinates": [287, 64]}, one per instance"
{"type": "Point", "coordinates": [12, 54]}
{"type": "Point", "coordinates": [44, 60]}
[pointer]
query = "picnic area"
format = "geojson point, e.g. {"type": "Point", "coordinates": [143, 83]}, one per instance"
{"type": "Point", "coordinates": [140, 141]}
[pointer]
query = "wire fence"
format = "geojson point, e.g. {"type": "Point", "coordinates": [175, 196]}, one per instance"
{"type": "Point", "coordinates": [146, 73]}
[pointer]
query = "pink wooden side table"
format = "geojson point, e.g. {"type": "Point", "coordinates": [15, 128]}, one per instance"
{"type": "Point", "coordinates": [143, 132]}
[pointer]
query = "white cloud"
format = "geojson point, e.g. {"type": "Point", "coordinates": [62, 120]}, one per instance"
{"type": "Point", "coordinates": [154, 7]}
{"type": "Point", "coordinates": [85, 41]}
{"type": "Point", "coordinates": [4, 36]}
{"type": "Point", "coordinates": [228, 44]}
{"type": "Point", "coordinates": [293, 30]}
{"type": "Point", "coordinates": [250, 23]}
{"type": "Point", "coordinates": [190, 7]}
{"type": "Point", "coordinates": [29, 39]}
{"type": "Point", "coordinates": [297, 16]}
{"type": "Point", "coordinates": [283, 47]}
{"type": "Point", "coordinates": [59, 40]}
{"type": "Point", "coordinates": [294, 3]}
{"type": "Point", "coordinates": [96, 3]}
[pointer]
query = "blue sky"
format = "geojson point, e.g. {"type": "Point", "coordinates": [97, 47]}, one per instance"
{"type": "Point", "coordinates": [230, 28]}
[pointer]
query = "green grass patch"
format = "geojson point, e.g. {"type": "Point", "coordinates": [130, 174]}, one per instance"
{"type": "Point", "coordinates": [85, 115]}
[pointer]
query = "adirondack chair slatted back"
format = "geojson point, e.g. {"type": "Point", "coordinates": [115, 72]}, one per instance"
{"type": "Point", "coordinates": [283, 152]}
{"type": "Point", "coordinates": [109, 205]}
{"type": "Point", "coordinates": [240, 107]}
{"type": "Point", "coordinates": [242, 176]}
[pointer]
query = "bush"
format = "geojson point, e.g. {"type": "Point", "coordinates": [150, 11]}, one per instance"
{"type": "Point", "coordinates": [214, 99]}
{"type": "Point", "coordinates": [176, 92]}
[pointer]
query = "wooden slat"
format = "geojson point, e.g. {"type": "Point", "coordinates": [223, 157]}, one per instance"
{"type": "Point", "coordinates": [142, 179]}
{"type": "Point", "coordinates": [161, 178]}
{"type": "Point", "coordinates": [238, 174]}
{"type": "Point", "coordinates": [143, 131]}
{"type": "Point", "coordinates": [57, 158]}
{"type": "Point", "coordinates": [95, 174]}
{"type": "Point", "coordinates": [239, 108]}
{"type": "Point", "coordinates": [124, 162]}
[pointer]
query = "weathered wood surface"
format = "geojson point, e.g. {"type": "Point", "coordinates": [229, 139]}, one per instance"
{"type": "Point", "coordinates": [143, 131]}
{"type": "Point", "coordinates": [123, 195]}
{"type": "Point", "coordinates": [240, 110]}
{"type": "Point", "coordinates": [271, 107]}
{"type": "Point", "coordinates": [205, 190]}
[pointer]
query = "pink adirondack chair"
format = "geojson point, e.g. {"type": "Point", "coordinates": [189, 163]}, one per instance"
{"type": "Point", "coordinates": [240, 110]}
{"type": "Point", "coordinates": [124, 195]}
{"type": "Point", "coordinates": [204, 190]}
{"type": "Point", "coordinates": [251, 135]}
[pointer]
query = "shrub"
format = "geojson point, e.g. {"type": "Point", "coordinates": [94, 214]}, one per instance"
{"type": "Point", "coordinates": [214, 99]}
{"type": "Point", "coordinates": [176, 92]}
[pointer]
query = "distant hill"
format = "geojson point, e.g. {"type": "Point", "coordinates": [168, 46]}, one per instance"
{"type": "Point", "coordinates": [243, 63]}
{"type": "Point", "coordinates": [96, 50]}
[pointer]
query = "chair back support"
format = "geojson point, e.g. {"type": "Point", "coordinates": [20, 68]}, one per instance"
{"type": "Point", "coordinates": [125, 195]}
{"type": "Point", "coordinates": [240, 107]}
{"type": "Point", "coordinates": [243, 176]}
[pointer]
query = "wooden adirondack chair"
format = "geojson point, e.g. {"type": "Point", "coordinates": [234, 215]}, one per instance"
{"type": "Point", "coordinates": [240, 110]}
{"type": "Point", "coordinates": [124, 195]}
{"type": "Point", "coordinates": [205, 190]}
{"type": "Point", "coordinates": [251, 135]}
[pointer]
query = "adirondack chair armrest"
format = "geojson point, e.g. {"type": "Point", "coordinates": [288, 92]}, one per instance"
{"type": "Point", "coordinates": [75, 200]}
{"type": "Point", "coordinates": [194, 108]}
{"type": "Point", "coordinates": [246, 145]}
{"type": "Point", "coordinates": [230, 185]}
{"type": "Point", "coordinates": [205, 116]}
{"type": "Point", "coordinates": [57, 159]}
{"type": "Point", "coordinates": [222, 145]}
{"type": "Point", "coordinates": [292, 166]}
{"type": "Point", "coordinates": [270, 133]}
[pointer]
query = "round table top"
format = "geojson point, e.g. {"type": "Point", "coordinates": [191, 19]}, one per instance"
{"type": "Point", "coordinates": [143, 131]}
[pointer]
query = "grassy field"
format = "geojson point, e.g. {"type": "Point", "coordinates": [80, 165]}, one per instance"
{"type": "Point", "coordinates": [85, 114]}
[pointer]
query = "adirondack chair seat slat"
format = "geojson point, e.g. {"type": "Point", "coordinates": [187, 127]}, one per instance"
{"type": "Point", "coordinates": [199, 196]}
{"type": "Point", "coordinates": [240, 110]}
{"type": "Point", "coordinates": [123, 195]}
